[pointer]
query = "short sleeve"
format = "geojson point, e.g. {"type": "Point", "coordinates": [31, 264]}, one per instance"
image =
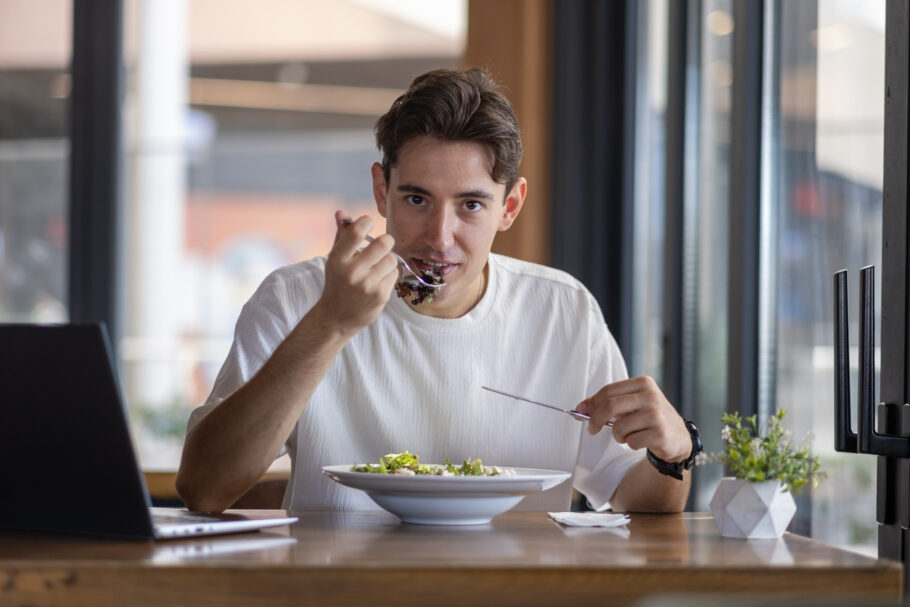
{"type": "Point", "coordinates": [265, 320]}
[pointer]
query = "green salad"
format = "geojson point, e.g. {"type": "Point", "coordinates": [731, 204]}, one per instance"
{"type": "Point", "coordinates": [409, 463]}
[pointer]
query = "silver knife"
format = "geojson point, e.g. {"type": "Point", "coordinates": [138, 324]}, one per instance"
{"type": "Point", "coordinates": [574, 414]}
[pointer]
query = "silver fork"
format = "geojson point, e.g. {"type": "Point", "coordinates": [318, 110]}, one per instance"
{"type": "Point", "coordinates": [415, 277]}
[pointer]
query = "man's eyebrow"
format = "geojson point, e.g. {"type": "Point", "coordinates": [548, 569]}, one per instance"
{"type": "Point", "coordinates": [416, 189]}
{"type": "Point", "coordinates": [482, 194]}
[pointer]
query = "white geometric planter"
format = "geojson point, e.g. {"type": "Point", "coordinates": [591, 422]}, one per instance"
{"type": "Point", "coordinates": [752, 510]}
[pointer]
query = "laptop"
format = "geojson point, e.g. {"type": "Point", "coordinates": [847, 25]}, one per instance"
{"type": "Point", "coordinates": [67, 462]}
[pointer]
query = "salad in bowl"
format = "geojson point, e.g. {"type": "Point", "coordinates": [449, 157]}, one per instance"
{"type": "Point", "coordinates": [443, 494]}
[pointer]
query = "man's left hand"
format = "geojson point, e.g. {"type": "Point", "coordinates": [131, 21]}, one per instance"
{"type": "Point", "coordinates": [642, 418]}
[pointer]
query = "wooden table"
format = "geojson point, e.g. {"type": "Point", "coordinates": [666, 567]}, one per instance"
{"type": "Point", "coordinates": [369, 558]}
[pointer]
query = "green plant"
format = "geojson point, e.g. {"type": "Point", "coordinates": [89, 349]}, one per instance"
{"type": "Point", "coordinates": [757, 456]}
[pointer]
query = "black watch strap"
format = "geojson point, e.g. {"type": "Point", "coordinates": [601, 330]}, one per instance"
{"type": "Point", "coordinates": [675, 469]}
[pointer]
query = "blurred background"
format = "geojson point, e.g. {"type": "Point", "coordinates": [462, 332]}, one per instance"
{"type": "Point", "coordinates": [246, 124]}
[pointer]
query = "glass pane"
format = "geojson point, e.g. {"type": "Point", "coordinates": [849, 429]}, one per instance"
{"type": "Point", "coordinates": [645, 355]}
{"type": "Point", "coordinates": [712, 246]}
{"type": "Point", "coordinates": [827, 182]}
{"type": "Point", "coordinates": [35, 41]}
{"type": "Point", "coordinates": [246, 129]}
{"type": "Point", "coordinates": [707, 217]}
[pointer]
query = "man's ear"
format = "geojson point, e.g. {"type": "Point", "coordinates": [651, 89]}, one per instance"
{"type": "Point", "coordinates": [513, 203]}
{"type": "Point", "coordinates": [380, 188]}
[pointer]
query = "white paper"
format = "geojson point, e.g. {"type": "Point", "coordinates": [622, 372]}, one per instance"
{"type": "Point", "coordinates": [590, 519]}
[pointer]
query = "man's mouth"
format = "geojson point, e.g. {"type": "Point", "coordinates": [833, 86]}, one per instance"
{"type": "Point", "coordinates": [435, 267]}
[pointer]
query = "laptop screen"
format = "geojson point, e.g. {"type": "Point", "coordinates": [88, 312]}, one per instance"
{"type": "Point", "coordinates": [68, 463]}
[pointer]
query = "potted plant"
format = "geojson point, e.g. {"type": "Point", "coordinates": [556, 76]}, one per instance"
{"type": "Point", "coordinates": [757, 501]}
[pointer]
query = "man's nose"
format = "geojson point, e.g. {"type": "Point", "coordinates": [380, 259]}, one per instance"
{"type": "Point", "coordinates": [441, 229]}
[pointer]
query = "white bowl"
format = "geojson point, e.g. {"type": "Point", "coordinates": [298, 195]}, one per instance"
{"type": "Point", "coordinates": [447, 500]}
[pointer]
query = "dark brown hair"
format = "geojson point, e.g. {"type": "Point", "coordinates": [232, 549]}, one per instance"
{"type": "Point", "coordinates": [454, 105]}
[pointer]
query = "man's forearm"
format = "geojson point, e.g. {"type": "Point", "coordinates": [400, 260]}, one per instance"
{"type": "Point", "coordinates": [233, 445]}
{"type": "Point", "coordinates": [644, 489]}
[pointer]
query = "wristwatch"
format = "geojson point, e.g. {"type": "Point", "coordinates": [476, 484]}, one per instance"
{"type": "Point", "coordinates": [675, 469]}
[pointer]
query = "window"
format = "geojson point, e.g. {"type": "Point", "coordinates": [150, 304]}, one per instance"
{"type": "Point", "coordinates": [827, 184]}
{"type": "Point", "coordinates": [34, 84]}
{"type": "Point", "coordinates": [712, 248]}
{"type": "Point", "coordinates": [649, 183]}
{"type": "Point", "coordinates": [821, 124]}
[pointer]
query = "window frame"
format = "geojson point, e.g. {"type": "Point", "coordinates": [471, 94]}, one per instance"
{"type": "Point", "coordinates": [96, 141]}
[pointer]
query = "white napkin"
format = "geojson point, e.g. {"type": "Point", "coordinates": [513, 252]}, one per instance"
{"type": "Point", "coordinates": [590, 519]}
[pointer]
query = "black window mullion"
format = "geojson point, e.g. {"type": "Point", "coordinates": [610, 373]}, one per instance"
{"type": "Point", "coordinates": [895, 334]}
{"type": "Point", "coordinates": [95, 152]}
{"type": "Point", "coordinates": [893, 487]}
{"type": "Point", "coordinates": [745, 207]}
{"type": "Point", "coordinates": [625, 298]}
{"type": "Point", "coordinates": [680, 199]}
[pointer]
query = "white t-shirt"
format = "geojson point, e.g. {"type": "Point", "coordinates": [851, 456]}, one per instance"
{"type": "Point", "coordinates": [413, 382]}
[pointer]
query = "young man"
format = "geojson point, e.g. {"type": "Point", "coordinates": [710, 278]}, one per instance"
{"type": "Point", "coordinates": [329, 364]}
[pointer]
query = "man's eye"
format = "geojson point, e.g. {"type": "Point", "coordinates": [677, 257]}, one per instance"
{"type": "Point", "coordinates": [473, 205]}
{"type": "Point", "coordinates": [416, 200]}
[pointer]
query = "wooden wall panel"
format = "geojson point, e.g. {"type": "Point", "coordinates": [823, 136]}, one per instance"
{"type": "Point", "coordinates": [513, 40]}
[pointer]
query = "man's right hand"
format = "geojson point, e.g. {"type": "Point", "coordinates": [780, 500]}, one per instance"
{"type": "Point", "coordinates": [358, 280]}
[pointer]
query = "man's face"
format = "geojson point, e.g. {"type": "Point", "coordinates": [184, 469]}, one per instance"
{"type": "Point", "coordinates": [444, 209]}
